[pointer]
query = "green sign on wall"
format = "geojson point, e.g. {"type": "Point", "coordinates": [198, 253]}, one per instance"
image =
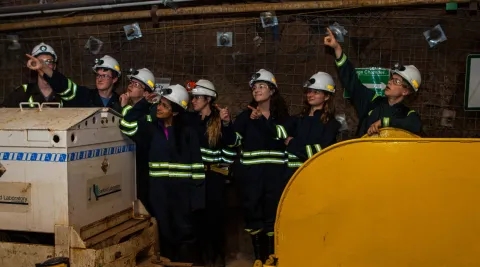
{"type": "Point", "coordinates": [373, 78]}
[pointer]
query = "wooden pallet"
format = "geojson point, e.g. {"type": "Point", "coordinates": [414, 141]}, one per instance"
{"type": "Point", "coordinates": [115, 241]}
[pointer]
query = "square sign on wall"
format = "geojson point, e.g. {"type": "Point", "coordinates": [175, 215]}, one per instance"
{"type": "Point", "coordinates": [472, 83]}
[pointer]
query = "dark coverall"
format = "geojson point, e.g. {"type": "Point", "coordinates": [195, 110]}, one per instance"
{"type": "Point", "coordinates": [79, 96]}
{"type": "Point", "coordinates": [263, 162]}
{"type": "Point", "coordinates": [211, 225]}
{"type": "Point", "coordinates": [30, 93]}
{"type": "Point", "coordinates": [310, 136]}
{"type": "Point", "coordinates": [177, 178]}
{"type": "Point", "coordinates": [370, 107]}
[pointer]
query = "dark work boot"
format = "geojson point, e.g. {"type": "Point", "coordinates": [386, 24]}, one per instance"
{"type": "Point", "coordinates": [270, 249]}
{"type": "Point", "coordinates": [257, 249]}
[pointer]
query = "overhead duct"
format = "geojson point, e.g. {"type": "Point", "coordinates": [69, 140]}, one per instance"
{"type": "Point", "coordinates": [75, 7]}
{"type": "Point", "coordinates": [217, 9]}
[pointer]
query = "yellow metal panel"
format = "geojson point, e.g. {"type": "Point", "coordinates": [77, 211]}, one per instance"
{"type": "Point", "coordinates": [375, 202]}
{"type": "Point", "coordinates": [392, 133]}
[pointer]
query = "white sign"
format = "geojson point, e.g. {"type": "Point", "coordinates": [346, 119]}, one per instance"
{"type": "Point", "coordinates": [15, 197]}
{"type": "Point", "coordinates": [104, 189]}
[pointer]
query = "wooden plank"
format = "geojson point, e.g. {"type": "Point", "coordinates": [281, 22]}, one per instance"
{"type": "Point", "coordinates": [130, 231]}
{"type": "Point", "coordinates": [96, 228]}
{"type": "Point", "coordinates": [111, 232]}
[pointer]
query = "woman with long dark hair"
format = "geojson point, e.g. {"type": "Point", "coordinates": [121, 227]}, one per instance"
{"type": "Point", "coordinates": [176, 171]}
{"type": "Point", "coordinates": [262, 160]}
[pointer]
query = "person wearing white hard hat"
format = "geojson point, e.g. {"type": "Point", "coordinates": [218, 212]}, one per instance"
{"type": "Point", "coordinates": [177, 175]}
{"type": "Point", "coordinates": [40, 91]}
{"type": "Point", "coordinates": [315, 128]}
{"type": "Point", "coordinates": [262, 161]}
{"type": "Point", "coordinates": [141, 84]}
{"type": "Point", "coordinates": [377, 112]}
{"type": "Point", "coordinates": [215, 132]}
{"type": "Point", "coordinates": [107, 72]}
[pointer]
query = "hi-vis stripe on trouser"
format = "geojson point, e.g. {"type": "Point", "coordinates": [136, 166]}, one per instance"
{"type": "Point", "coordinates": [293, 161]}
{"type": "Point", "coordinates": [262, 157]}
{"type": "Point", "coordinates": [176, 170]}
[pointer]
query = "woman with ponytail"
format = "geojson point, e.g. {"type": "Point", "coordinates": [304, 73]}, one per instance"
{"type": "Point", "coordinates": [315, 128]}
{"type": "Point", "coordinates": [216, 133]}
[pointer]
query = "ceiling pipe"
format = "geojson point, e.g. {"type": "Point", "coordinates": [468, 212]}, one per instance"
{"type": "Point", "coordinates": [51, 6]}
{"type": "Point", "coordinates": [94, 7]}
{"type": "Point", "coordinates": [218, 9]}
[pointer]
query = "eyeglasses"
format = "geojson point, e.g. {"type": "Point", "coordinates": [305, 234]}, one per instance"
{"type": "Point", "coordinates": [103, 76]}
{"type": "Point", "coordinates": [260, 86]}
{"type": "Point", "coordinates": [49, 62]}
{"type": "Point", "coordinates": [136, 84]}
{"type": "Point", "coordinates": [398, 81]}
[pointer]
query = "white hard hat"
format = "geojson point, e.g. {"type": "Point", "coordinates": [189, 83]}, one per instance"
{"type": "Point", "coordinates": [178, 95]}
{"type": "Point", "coordinates": [263, 76]}
{"type": "Point", "coordinates": [107, 62]}
{"type": "Point", "coordinates": [145, 76]}
{"type": "Point", "coordinates": [204, 87]}
{"type": "Point", "coordinates": [410, 74]}
{"type": "Point", "coordinates": [321, 81]}
{"type": "Point", "coordinates": [43, 48]}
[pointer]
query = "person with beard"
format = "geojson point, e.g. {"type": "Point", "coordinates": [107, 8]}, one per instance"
{"type": "Point", "coordinates": [107, 72]}
{"type": "Point", "coordinates": [375, 112]}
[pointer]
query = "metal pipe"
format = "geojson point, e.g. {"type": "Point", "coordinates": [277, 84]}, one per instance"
{"type": "Point", "coordinates": [89, 8]}
{"type": "Point", "coordinates": [51, 6]}
{"type": "Point", "coordinates": [219, 9]}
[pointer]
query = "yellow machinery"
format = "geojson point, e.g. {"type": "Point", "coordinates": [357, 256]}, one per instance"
{"type": "Point", "coordinates": [394, 201]}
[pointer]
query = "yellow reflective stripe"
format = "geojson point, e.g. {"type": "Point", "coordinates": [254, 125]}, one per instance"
{"type": "Point", "coordinates": [25, 87]}
{"type": "Point", "coordinates": [318, 147]}
{"type": "Point", "coordinates": [129, 133]}
{"type": "Point", "coordinates": [210, 152]}
{"type": "Point", "coordinates": [309, 151]}
{"type": "Point", "coordinates": [281, 132]}
{"type": "Point", "coordinates": [386, 121]}
{"type": "Point", "coordinates": [74, 93]}
{"type": "Point", "coordinates": [262, 161]}
{"type": "Point", "coordinates": [128, 124]}
{"type": "Point", "coordinates": [229, 152]}
{"type": "Point", "coordinates": [170, 174]}
{"type": "Point", "coordinates": [227, 160]}
{"type": "Point", "coordinates": [173, 174]}
{"type": "Point", "coordinates": [263, 153]}
{"type": "Point", "coordinates": [341, 61]}
{"type": "Point", "coordinates": [126, 109]}
{"type": "Point", "coordinates": [69, 88]}
{"type": "Point", "coordinates": [208, 159]}
{"type": "Point", "coordinates": [294, 164]}
{"type": "Point", "coordinates": [370, 112]}
{"type": "Point", "coordinates": [411, 111]}
{"type": "Point", "coordinates": [169, 165]}
{"type": "Point", "coordinates": [30, 100]}
{"type": "Point", "coordinates": [149, 118]}
{"type": "Point", "coordinates": [253, 232]}
{"type": "Point", "coordinates": [197, 166]}
{"type": "Point", "coordinates": [291, 156]}
{"type": "Point", "coordinates": [238, 140]}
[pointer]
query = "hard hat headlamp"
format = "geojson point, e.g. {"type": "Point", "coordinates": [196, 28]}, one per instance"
{"type": "Point", "coordinates": [398, 67]}
{"type": "Point", "coordinates": [98, 61]}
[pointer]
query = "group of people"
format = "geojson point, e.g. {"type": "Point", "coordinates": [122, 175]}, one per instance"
{"type": "Point", "coordinates": [184, 141]}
